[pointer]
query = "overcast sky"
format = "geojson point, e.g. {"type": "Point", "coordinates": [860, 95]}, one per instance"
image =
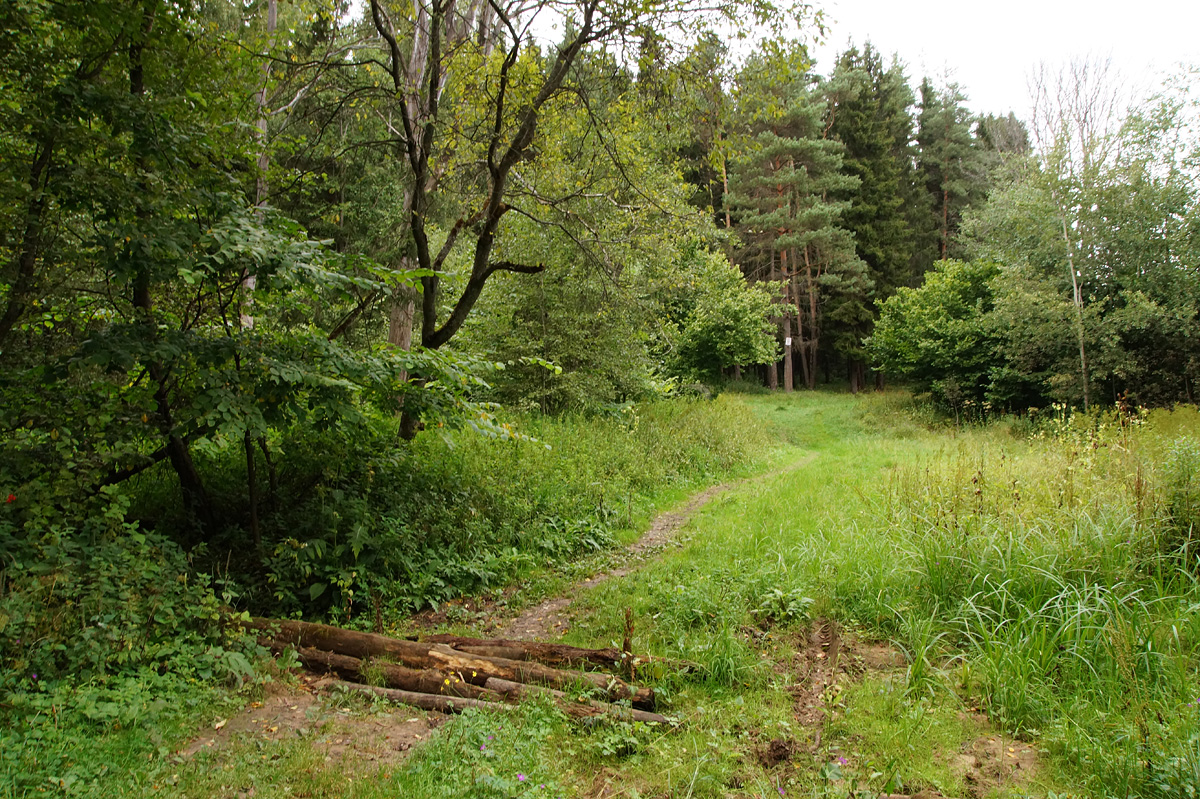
{"type": "Point", "coordinates": [990, 48]}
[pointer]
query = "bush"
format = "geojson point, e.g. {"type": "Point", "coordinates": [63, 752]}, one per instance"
{"type": "Point", "coordinates": [450, 513]}
{"type": "Point", "coordinates": [96, 600]}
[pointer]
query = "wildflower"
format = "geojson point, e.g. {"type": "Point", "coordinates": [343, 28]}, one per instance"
{"type": "Point", "coordinates": [842, 761]}
{"type": "Point", "coordinates": [482, 747]}
{"type": "Point", "coordinates": [12, 498]}
{"type": "Point", "coordinates": [520, 778]}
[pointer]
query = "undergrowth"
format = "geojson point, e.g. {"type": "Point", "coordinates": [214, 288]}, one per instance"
{"type": "Point", "coordinates": [394, 529]}
{"type": "Point", "coordinates": [112, 634]}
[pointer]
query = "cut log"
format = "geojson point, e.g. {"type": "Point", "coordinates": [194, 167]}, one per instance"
{"type": "Point", "coordinates": [442, 704]}
{"type": "Point", "coordinates": [475, 669]}
{"type": "Point", "coordinates": [402, 677]}
{"type": "Point", "coordinates": [550, 654]}
{"type": "Point", "coordinates": [577, 709]}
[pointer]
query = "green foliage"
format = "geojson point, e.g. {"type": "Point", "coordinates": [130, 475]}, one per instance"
{"type": "Point", "coordinates": [1119, 209]}
{"type": "Point", "coordinates": [783, 189]}
{"type": "Point", "coordinates": [725, 321]}
{"type": "Point", "coordinates": [459, 513]}
{"type": "Point", "coordinates": [106, 635]}
{"type": "Point", "coordinates": [951, 167]}
{"type": "Point", "coordinates": [869, 114]}
{"type": "Point", "coordinates": [100, 600]}
{"type": "Point", "coordinates": [489, 756]}
{"type": "Point", "coordinates": [938, 335]}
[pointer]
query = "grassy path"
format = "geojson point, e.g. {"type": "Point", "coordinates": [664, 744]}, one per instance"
{"type": "Point", "coordinates": [889, 610]}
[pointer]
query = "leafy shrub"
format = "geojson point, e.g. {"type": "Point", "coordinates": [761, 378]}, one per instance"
{"type": "Point", "coordinates": [106, 635]}
{"type": "Point", "coordinates": [413, 525]}
{"type": "Point", "coordinates": [98, 599]}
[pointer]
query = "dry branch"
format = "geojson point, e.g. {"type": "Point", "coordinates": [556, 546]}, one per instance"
{"type": "Point", "coordinates": [576, 708]}
{"type": "Point", "coordinates": [550, 654]}
{"type": "Point", "coordinates": [442, 704]}
{"type": "Point", "coordinates": [423, 682]}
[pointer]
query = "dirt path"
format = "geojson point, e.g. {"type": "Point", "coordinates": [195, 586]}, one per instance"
{"type": "Point", "coordinates": [550, 620]}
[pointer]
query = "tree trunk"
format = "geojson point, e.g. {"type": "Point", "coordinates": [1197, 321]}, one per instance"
{"type": "Point", "coordinates": [442, 704]}
{"type": "Point", "coordinates": [785, 325]}
{"type": "Point", "coordinates": [473, 668]}
{"type": "Point", "coordinates": [814, 326]}
{"type": "Point", "coordinates": [582, 708]}
{"type": "Point", "coordinates": [550, 654]}
{"type": "Point", "coordinates": [400, 317]}
{"type": "Point", "coordinates": [249, 281]}
{"type": "Point", "coordinates": [1077, 298]}
{"type": "Point", "coordinates": [427, 681]}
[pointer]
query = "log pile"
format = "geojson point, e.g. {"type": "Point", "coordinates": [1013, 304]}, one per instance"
{"type": "Point", "coordinates": [449, 673]}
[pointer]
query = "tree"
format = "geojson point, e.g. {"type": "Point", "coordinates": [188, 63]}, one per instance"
{"type": "Point", "coordinates": [781, 190]}
{"type": "Point", "coordinates": [1101, 246]}
{"type": "Point", "coordinates": [722, 320]}
{"type": "Point", "coordinates": [127, 258]}
{"type": "Point", "coordinates": [868, 113]}
{"type": "Point", "coordinates": [938, 335]}
{"type": "Point", "coordinates": [469, 165]}
{"type": "Point", "coordinates": [949, 163]}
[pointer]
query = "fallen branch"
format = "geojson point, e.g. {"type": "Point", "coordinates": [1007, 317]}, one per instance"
{"type": "Point", "coordinates": [472, 668]}
{"type": "Point", "coordinates": [551, 654]}
{"type": "Point", "coordinates": [442, 704]}
{"type": "Point", "coordinates": [585, 708]}
{"type": "Point", "coordinates": [401, 677]}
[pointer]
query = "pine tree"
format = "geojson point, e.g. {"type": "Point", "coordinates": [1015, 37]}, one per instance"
{"type": "Point", "coordinates": [952, 169]}
{"type": "Point", "coordinates": [784, 191]}
{"type": "Point", "coordinates": [868, 113]}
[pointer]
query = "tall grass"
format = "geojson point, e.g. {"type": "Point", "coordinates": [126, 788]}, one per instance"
{"type": "Point", "coordinates": [1057, 573]}
{"type": "Point", "coordinates": [1043, 571]}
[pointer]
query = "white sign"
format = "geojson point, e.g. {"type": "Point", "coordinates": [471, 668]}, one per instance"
{"type": "Point", "coordinates": [787, 341]}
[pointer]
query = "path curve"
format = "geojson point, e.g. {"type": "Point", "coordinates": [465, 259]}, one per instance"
{"type": "Point", "coordinates": [549, 619]}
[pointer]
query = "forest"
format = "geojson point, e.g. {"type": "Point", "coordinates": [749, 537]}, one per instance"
{"type": "Point", "coordinates": [407, 316]}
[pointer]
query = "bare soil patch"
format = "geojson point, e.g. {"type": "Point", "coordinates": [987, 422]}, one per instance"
{"type": "Point", "coordinates": [777, 750]}
{"type": "Point", "coordinates": [993, 761]}
{"type": "Point", "coordinates": [824, 660]}
{"type": "Point", "coordinates": [380, 737]}
{"type": "Point", "coordinates": [827, 658]}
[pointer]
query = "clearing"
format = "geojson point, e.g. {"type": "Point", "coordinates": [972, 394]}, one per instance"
{"type": "Point", "coordinates": [821, 598]}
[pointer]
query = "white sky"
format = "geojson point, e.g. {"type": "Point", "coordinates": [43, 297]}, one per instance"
{"type": "Point", "coordinates": [990, 48]}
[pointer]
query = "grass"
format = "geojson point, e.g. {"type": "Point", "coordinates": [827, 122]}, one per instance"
{"type": "Point", "coordinates": [1035, 577]}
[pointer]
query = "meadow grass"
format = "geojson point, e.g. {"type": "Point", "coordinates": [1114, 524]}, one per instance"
{"type": "Point", "coordinates": [1039, 580]}
{"type": "Point", "coordinates": [1038, 577]}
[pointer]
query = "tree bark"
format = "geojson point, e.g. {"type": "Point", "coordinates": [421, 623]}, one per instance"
{"type": "Point", "coordinates": [813, 323]}
{"type": "Point", "coordinates": [576, 709]}
{"type": "Point", "coordinates": [550, 654]}
{"type": "Point", "coordinates": [785, 325]}
{"type": "Point", "coordinates": [473, 668]}
{"type": "Point", "coordinates": [400, 321]}
{"type": "Point", "coordinates": [442, 704]}
{"type": "Point", "coordinates": [427, 681]}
